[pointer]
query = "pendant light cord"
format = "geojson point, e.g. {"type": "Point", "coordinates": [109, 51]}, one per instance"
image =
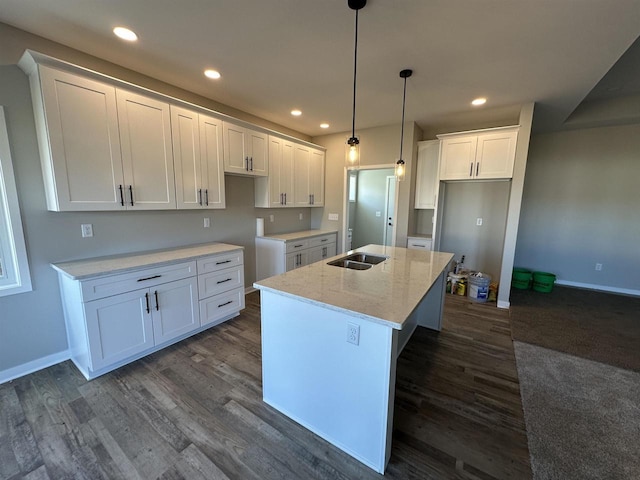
{"type": "Point", "coordinates": [404, 96]}
{"type": "Point", "coordinates": [355, 70]}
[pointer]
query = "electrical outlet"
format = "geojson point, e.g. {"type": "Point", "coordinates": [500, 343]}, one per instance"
{"type": "Point", "coordinates": [301, 216]}
{"type": "Point", "coordinates": [87, 230]}
{"type": "Point", "coordinates": [207, 222]}
{"type": "Point", "coordinates": [598, 267]}
{"type": "Point", "coordinates": [479, 221]}
{"type": "Point", "coordinates": [353, 333]}
{"type": "Point", "coordinates": [333, 216]}
{"type": "Point", "coordinates": [271, 218]}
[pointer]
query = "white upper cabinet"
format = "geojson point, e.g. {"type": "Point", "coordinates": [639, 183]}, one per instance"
{"type": "Point", "coordinates": [427, 180]}
{"type": "Point", "coordinates": [147, 155]}
{"type": "Point", "coordinates": [487, 154]}
{"type": "Point", "coordinates": [245, 151]}
{"type": "Point", "coordinates": [309, 165]}
{"type": "Point", "coordinates": [197, 152]}
{"type": "Point", "coordinates": [77, 125]}
{"type": "Point", "coordinates": [276, 190]}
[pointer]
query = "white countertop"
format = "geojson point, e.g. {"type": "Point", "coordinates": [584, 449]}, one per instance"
{"type": "Point", "coordinates": [95, 267]}
{"type": "Point", "coordinates": [386, 293]}
{"type": "Point", "coordinates": [288, 237]}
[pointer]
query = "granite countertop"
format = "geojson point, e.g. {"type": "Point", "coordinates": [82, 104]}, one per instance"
{"type": "Point", "coordinates": [288, 237]}
{"type": "Point", "coordinates": [386, 293]}
{"type": "Point", "coordinates": [95, 267]}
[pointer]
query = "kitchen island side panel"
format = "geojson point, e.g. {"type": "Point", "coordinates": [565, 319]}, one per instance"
{"type": "Point", "coordinates": [340, 391]}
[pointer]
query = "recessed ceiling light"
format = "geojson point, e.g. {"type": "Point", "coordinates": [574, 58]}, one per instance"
{"type": "Point", "coordinates": [296, 113]}
{"type": "Point", "coordinates": [125, 34]}
{"type": "Point", "coordinates": [324, 125]}
{"type": "Point", "coordinates": [210, 73]}
{"type": "Point", "coordinates": [479, 101]}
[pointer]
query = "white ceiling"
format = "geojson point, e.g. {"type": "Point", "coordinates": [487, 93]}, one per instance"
{"type": "Point", "coordinates": [275, 55]}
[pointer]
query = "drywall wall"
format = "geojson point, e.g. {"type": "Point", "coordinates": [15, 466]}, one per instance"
{"type": "Point", "coordinates": [379, 146]}
{"type": "Point", "coordinates": [464, 204]}
{"type": "Point", "coordinates": [368, 227]}
{"type": "Point", "coordinates": [31, 324]}
{"type": "Point", "coordinates": [580, 207]}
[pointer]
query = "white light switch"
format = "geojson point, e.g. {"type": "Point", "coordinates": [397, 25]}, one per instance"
{"type": "Point", "coordinates": [207, 222]}
{"type": "Point", "coordinates": [333, 216]}
{"type": "Point", "coordinates": [271, 218]}
{"type": "Point", "coordinates": [301, 216]}
{"type": "Point", "coordinates": [479, 221]}
{"type": "Point", "coordinates": [378, 214]}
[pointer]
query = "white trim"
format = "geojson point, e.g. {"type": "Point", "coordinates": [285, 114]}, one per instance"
{"type": "Point", "coordinates": [481, 130]}
{"type": "Point", "coordinates": [17, 264]}
{"type": "Point", "coordinates": [602, 288]}
{"type": "Point", "coordinates": [33, 366]}
{"type": "Point", "coordinates": [502, 304]}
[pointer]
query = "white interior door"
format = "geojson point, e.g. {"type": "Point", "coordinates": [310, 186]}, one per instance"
{"type": "Point", "coordinates": [390, 209]}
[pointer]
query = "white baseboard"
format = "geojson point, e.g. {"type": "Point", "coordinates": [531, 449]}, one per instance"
{"type": "Point", "coordinates": [602, 288]}
{"type": "Point", "coordinates": [33, 366]}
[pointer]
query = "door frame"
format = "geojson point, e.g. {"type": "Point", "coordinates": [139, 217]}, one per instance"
{"type": "Point", "coordinates": [345, 203]}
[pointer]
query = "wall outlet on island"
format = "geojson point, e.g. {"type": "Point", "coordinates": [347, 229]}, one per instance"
{"type": "Point", "coordinates": [353, 333]}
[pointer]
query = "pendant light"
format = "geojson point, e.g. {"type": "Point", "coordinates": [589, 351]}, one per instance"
{"type": "Point", "coordinates": [353, 144]}
{"type": "Point", "coordinates": [400, 165]}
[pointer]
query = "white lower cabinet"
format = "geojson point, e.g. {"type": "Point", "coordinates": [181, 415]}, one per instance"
{"type": "Point", "coordinates": [276, 254]}
{"type": "Point", "coordinates": [419, 243]}
{"type": "Point", "coordinates": [113, 319]}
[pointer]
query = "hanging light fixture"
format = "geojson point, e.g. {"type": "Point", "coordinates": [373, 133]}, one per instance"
{"type": "Point", "coordinates": [353, 144]}
{"type": "Point", "coordinates": [400, 165]}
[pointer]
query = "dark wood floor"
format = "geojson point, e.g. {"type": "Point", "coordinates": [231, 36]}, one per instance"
{"type": "Point", "coordinates": [194, 410]}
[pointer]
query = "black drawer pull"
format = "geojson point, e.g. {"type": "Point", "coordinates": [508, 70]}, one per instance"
{"type": "Point", "coordinates": [157, 304]}
{"type": "Point", "coordinates": [222, 281]}
{"type": "Point", "coordinates": [225, 303]}
{"type": "Point", "coordinates": [324, 240]}
{"type": "Point", "coordinates": [146, 296]}
{"type": "Point", "coordinates": [226, 261]}
{"type": "Point", "coordinates": [148, 278]}
{"type": "Point", "coordinates": [298, 246]}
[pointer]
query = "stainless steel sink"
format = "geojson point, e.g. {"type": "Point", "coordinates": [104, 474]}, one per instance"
{"type": "Point", "coordinates": [358, 261]}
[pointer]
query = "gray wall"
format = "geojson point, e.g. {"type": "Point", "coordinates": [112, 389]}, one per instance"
{"type": "Point", "coordinates": [31, 324]}
{"type": "Point", "coordinates": [581, 206]}
{"type": "Point", "coordinates": [482, 245]}
{"type": "Point", "coordinates": [370, 199]}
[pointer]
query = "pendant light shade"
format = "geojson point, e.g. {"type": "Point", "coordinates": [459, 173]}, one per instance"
{"type": "Point", "coordinates": [400, 165]}
{"type": "Point", "coordinates": [352, 159]}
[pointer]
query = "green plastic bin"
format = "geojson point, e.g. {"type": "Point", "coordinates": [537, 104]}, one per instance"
{"type": "Point", "coordinates": [521, 278]}
{"type": "Point", "coordinates": [543, 281]}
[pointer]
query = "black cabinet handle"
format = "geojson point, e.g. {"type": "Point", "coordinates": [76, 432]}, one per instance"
{"type": "Point", "coordinates": [477, 168]}
{"type": "Point", "coordinates": [281, 199]}
{"type": "Point", "coordinates": [200, 196]}
{"type": "Point", "coordinates": [121, 195]}
{"type": "Point", "coordinates": [206, 197]}
{"type": "Point", "coordinates": [225, 303]}
{"type": "Point", "coordinates": [146, 296]}
{"type": "Point", "coordinates": [223, 281]}
{"type": "Point", "coordinates": [131, 193]}
{"type": "Point", "coordinates": [157, 304]}
{"type": "Point", "coordinates": [148, 278]}
{"type": "Point", "coordinates": [285, 198]}
{"type": "Point", "coordinates": [471, 169]}
{"type": "Point", "coordinates": [251, 163]}
{"type": "Point", "coordinates": [225, 261]}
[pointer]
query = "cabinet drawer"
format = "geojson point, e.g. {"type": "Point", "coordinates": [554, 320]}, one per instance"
{"type": "Point", "coordinates": [218, 307]}
{"type": "Point", "coordinates": [125, 282]}
{"type": "Point", "coordinates": [217, 282]}
{"type": "Point", "coordinates": [419, 244]}
{"type": "Point", "coordinates": [297, 245]}
{"type": "Point", "coordinates": [322, 241]}
{"type": "Point", "coordinates": [219, 262]}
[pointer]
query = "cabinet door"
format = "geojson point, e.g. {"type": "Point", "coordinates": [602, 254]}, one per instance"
{"type": "Point", "coordinates": [258, 153]}
{"type": "Point", "coordinates": [82, 160]}
{"type": "Point", "coordinates": [213, 191]}
{"type": "Point", "coordinates": [457, 160]}
{"type": "Point", "coordinates": [118, 327]}
{"type": "Point", "coordinates": [316, 178]}
{"type": "Point", "coordinates": [236, 155]}
{"type": "Point", "coordinates": [276, 191]}
{"type": "Point", "coordinates": [496, 155]}
{"type": "Point", "coordinates": [427, 174]}
{"type": "Point", "coordinates": [147, 157]}
{"type": "Point", "coordinates": [174, 307]}
{"type": "Point", "coordinates": [296, 259]}
{"type": "Point", "coordinates": [301, 168]}
{"type": "Point", "coordinates": [419, 243]}
{"type": "Point", "coordinates": [214, 310]}
{"type": "Point", "coordinates": [286, 173]}
{"type": "Point", "coordinates": [318, 254]}
{"type": "Point", "coordinates": [186, 154]}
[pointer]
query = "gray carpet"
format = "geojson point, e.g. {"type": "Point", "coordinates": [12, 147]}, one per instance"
{"type": "Point", "coordinates": [582, 416]}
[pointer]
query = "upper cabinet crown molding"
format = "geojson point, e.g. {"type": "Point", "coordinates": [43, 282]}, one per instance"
{"type": "Point", "coordinates": [478, 154]}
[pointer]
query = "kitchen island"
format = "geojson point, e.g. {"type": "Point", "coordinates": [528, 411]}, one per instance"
{"type": "Point", "coordinates": [331, 337]}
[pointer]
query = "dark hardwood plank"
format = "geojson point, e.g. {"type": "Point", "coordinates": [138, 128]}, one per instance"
{"type": "Point", "coordinates": [195, 411]}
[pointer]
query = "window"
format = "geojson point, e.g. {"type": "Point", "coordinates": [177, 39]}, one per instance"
{"type": "Point", "coordinates": [14, 269]}
{"type": "Point", "coordinates": [352, 187]}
